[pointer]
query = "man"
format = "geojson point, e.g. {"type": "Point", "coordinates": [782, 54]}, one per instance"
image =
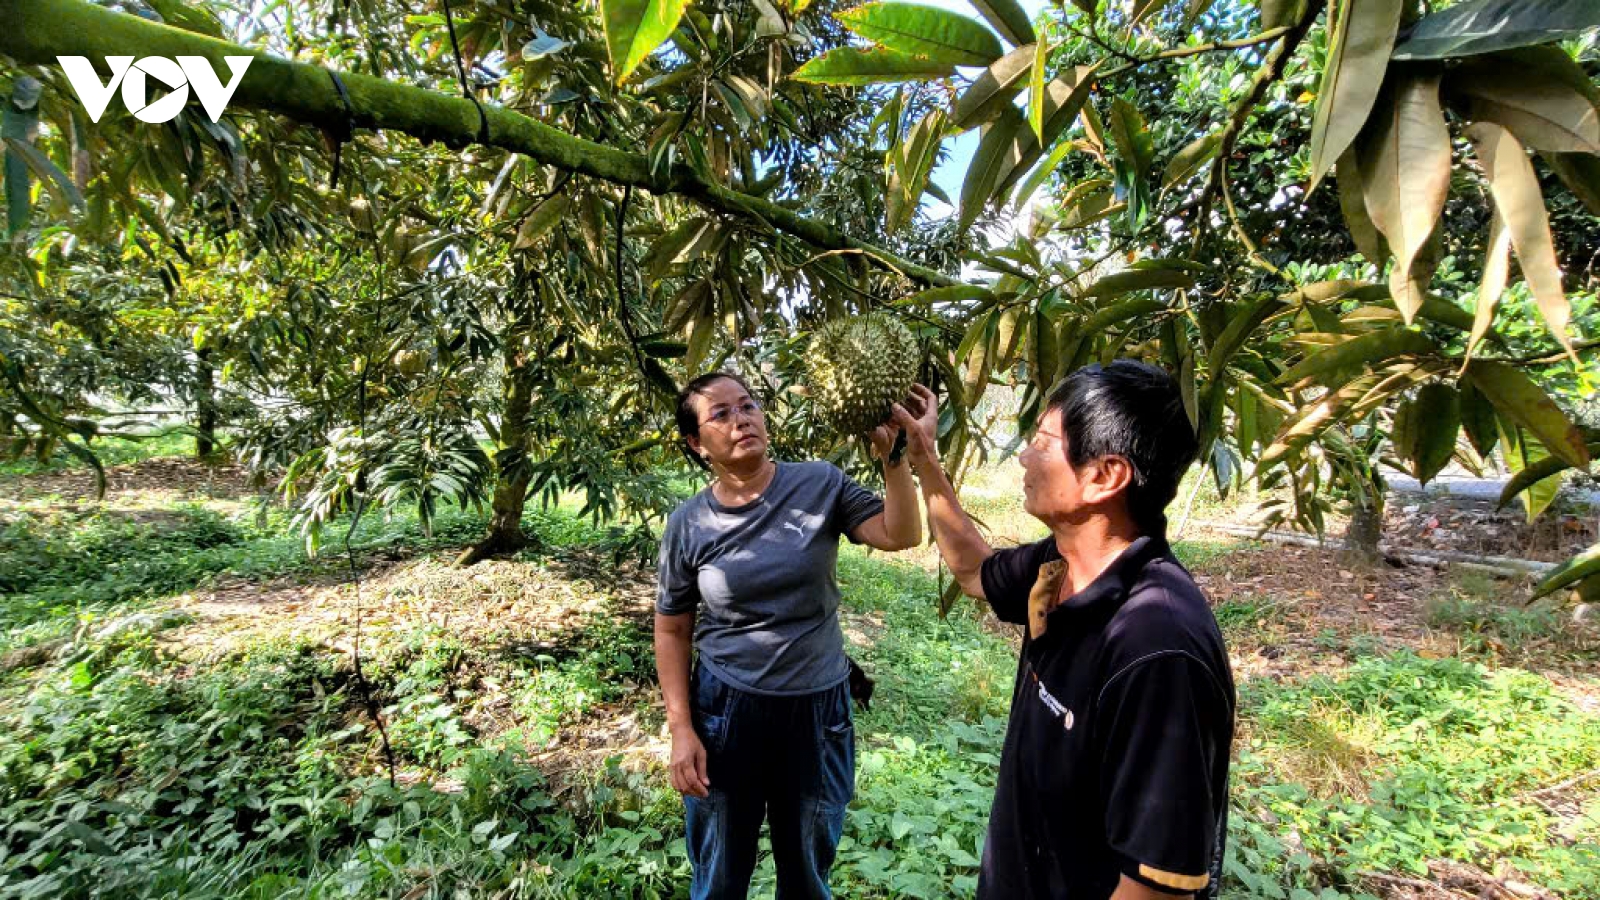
{"type": "Point", "coordinates": [1113, 780]}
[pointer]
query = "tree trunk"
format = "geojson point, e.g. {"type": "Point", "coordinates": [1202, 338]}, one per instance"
{"type": "Point", "coordinates": [1366, 526]}
{"type": "Point", "coordinates": [511, 490]}
{"type": "Point", "coordinates": [205, 441]}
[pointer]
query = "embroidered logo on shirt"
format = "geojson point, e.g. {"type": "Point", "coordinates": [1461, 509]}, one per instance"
{"type": "Point", "coordinates": [1055, 706]}
{"type": "Point", "coordinates": [797, 529]}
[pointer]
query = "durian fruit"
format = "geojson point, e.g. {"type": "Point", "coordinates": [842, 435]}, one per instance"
{"type": "Point", "coordinates": [858, 368]}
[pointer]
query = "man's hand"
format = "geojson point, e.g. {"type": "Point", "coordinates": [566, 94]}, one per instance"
{"type": "Point", "coordinates": [919, 416]}
{"type": "Point", "coordinates": [688, 766]}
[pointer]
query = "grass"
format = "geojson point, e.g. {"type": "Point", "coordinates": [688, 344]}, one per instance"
{"type": "Point", "coordinates": [111, 452]}
{"type": "Point", "coordinates": [132, 767]}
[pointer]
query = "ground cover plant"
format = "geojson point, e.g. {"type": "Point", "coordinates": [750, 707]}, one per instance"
{"type": "Point", "coordinates": [215, 741]}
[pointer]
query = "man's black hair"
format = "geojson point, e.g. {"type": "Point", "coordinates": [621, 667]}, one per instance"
{"type": "Point", "coordinates": [688, 420]}
{"type": "Point", "coordinates": [1133, 410]}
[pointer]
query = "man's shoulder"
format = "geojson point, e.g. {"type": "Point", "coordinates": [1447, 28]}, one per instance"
{"type": "Point", "coordinates": [1165, 613]}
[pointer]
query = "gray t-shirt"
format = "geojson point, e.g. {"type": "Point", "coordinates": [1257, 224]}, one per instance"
{"type": "Point", "coordinates": [761, 578]}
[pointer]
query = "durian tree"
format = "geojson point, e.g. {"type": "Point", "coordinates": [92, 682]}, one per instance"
{"type": "Point", "coordinates": [536, 220]}
{"type": "Point", "coordinates": [1317, 325]}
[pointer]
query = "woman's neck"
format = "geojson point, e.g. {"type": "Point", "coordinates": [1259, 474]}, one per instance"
{"type": "Point", "coordinates": [736, 487]}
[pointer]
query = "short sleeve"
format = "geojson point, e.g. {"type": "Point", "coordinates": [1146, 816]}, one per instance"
{"type": "Point", "coordinates": [1167, 728]}
{"type": "Point", "coordinates": [1008, 576]}
{"type": "Point", "coordinates": [677, 585]}
{"type": "Point", "coordinates": [855, 505]}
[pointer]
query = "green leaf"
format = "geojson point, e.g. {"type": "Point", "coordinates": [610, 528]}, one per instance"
{"type": "Point", "coordinates": [958, 293]}
{"type": "Point", "coordinates": [1496, 272]}
{"type": "Point", "coordinates": [1353, 204]}
{"type": "Point", "coordinates": [1036, 93]}
{"type": "Point", "coordinates": [1478, 419]}
{"type": "Point", "coordinates": [1335, 365]}
{"type": "Point", "coordinates": [992, 92]}
{"type": "Point", "coordinates": [46, 171]}
{"type": "Point", "coordinates": [1008, 18]}
{"type": "Point", "coordinates": [1484, 26]}
{"type": "Point", "coordinates": [913, 164]}
{"type": "Point", "coordinates": [1549, 105]}
{"type": "Point", "coordinates": [927, 31]}
{"type": "Point", "coordinates": [635, 28]}
{"type": "Point", "coordinates": [1278, 13]}
{"type": "Point", "coordinates": [1521, 451]}
{"type": "Point", "coordinates": [1128, 280]}
{"type": "Point", "coordinates": [1194, 10]}
{"type": "Point", "coordinates": [1405, 163]}
{"type": "Point", "coordinates": [1186, 162]}
{"type": "Point", "coordinates": [1063, 98]}
{"type": "Point", "coordinates": [1570, 572]}
{"type": "Point", "coordinates": [1435, 419]}
{"type": "Point", "coordinates": [1358, 56]}
{"type": "Point", "coordinates": [1120, 312]}
{"type": "Point", "coordinates": [190, 18]}
{"type": "Point", "coordinates": [1534, 473]}
{"type": "Point", "coordinates": [19, 122]}
{"type": "Point", "coordinates": [1143, 8]}
{"type": "Point", "coordinates": [855, 67]}
{"type": "Point", "coordinates": [1131, 136]}
{"type": "Point", "coordinates": [1040, 172]}
{"type": "Point", "coordinates": [1239, 328]}
{"type": "Point", "coordinates": [994, 159]}
{"type": "Point", "coordinates": [1580, 172]}
{"type": "Point", "coordinates": [1521, 206]}
{"type": "Point", "coordinates": [544, 217]}
{"type": "Point", "coordinates": [1517, 397]}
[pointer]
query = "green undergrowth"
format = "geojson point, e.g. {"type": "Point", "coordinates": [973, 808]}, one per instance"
{"type": "Point", "coordinates": [110, 452]}
{"type": "Point", "coordinates": [1401, 760]}
{"type": "Point", "coordinates": [129, 771]}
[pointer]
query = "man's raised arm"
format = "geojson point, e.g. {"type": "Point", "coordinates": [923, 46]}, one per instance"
{"type": "Point", "coordinates": [962, 547]}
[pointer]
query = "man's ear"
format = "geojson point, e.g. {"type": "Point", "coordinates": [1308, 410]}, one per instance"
{"type": "Point", "coordinates": [1108, 477]}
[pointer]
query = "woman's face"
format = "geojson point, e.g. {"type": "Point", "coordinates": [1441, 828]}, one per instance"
{"type": "Point", "coordinates": [733, 432]}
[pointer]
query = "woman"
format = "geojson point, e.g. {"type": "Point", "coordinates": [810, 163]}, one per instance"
{"type": "Point", "coordinates": [762, 726]}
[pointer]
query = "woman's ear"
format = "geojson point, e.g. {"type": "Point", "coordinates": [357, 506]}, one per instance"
{"type": "Point", "coordinates": [694, 447]}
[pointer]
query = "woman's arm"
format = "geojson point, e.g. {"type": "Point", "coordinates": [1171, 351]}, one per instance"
{"type": "Point", "coordinates": [674, 637]}
{"type": "Point", "coordinates": [899, 526]}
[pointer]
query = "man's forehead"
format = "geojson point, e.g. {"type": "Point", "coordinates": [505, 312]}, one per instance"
{"type": "Point", "coordinates": [1050, 422]}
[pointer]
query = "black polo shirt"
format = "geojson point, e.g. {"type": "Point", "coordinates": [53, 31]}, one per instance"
{"type": "Point", "coordinates": [1116, 755]}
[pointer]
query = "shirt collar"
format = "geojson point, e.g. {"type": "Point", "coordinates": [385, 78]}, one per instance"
{"type": "Point", "coordinates": [1109, 587]}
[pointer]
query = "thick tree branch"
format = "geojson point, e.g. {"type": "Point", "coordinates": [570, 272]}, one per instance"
{"type": "Point", "coordinates": [37, 31]}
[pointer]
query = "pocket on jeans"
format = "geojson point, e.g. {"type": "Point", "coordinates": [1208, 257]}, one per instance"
{"type": "Point", "coordinates": [837, 751]}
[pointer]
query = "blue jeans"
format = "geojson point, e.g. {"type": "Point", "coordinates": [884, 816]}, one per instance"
{"type": "Point", "coordinates": [790, 760]}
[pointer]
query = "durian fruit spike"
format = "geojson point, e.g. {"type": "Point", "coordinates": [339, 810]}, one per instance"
{"type": "Point", "coordinates": [858, 368]}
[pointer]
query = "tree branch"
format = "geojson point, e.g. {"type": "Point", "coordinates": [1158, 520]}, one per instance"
{"type": "Point", "coordinates": [1271, 70]}
{"type": "Point", "coordinates": [1270, 34]}
{"type": "Point", "coordinates": [37, 31]}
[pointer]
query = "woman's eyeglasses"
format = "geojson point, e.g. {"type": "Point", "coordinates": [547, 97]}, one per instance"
{"type": "Point", "coordinates": [722, 416]}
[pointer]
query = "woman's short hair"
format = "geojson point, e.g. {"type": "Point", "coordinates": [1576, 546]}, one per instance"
{"type": "Point", "coordinates": [1133, 410]}
{"type": "Point", "coordinates": [688, 418]}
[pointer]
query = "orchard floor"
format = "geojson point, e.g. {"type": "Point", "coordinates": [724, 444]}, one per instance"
{"type": "Point", "coordinates": [181, 713]}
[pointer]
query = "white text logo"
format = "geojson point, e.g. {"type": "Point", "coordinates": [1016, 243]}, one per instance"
{"type": "Point", "coordinates": [176, 76]}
